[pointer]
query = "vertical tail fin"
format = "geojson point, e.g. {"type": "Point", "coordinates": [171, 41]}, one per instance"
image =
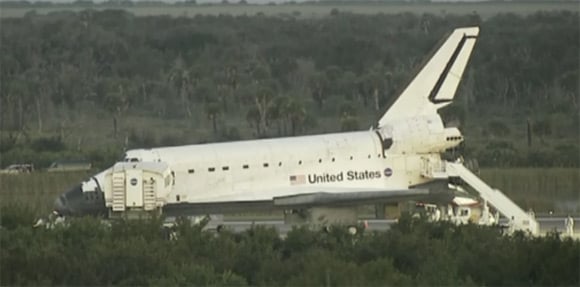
{"type": "Point", "coordinates": [435, 85]}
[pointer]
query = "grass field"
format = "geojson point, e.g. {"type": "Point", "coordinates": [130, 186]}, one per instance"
{"type": "Point", "coordinates": [556, 189]}
{"type": "Point", "coordinates": [542, 189]}
{"type": "Point", "coordinates": [483, 9]}
{"type": "Point", "coordinates": [37, 191]}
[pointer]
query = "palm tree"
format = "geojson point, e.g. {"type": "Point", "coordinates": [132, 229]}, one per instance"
{"type": "Point", "coordinates": [179, 75]}
{"type": "Point", "coordinates": [213, 110]}
{"type": "Point", "coordinates": [253, 117]}
{"type": "Point", "coordinates": [278, 112]}
{"type": "Point", "coordinates": [296, 114]}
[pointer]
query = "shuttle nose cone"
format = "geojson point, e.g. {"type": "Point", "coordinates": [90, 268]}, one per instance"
{"type": "Point", "coordinates": [60, 205]}
{"type": "Point", "coordinates": [75, 202]}
{"type": "Point", "coordinates": [69, 202]}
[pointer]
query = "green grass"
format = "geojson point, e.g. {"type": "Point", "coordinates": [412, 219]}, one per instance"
{"type": "Point", "coordinates": [37, 190]}
{"type": "Point", "coordinates": [540, 189]}
{"type": "Point", "coordinates": [483, 9]}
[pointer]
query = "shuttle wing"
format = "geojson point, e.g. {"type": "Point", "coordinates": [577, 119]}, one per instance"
{"type": "Point", "coordinates": [321, 196]}
{"type": "Point", "coordinates": [436, 83]}
{"type": "Point", "coordinates": [324, 198]}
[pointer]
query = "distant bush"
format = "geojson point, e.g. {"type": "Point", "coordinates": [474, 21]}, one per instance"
{"type": "Point", "coordinates": [567, 155]}
{"type": "Point", "coordinates": [349, 123]}
{"type": "Point", "coordinates": [499, 153]}
{"type": "Point", "coordinates": [498, 128]}
{"type": "Point", "coordinates": [142, 139]}
{"type": "Point", "coordinates": [171, 140]}
{"type": "Point", "coordinates": [7, 143]}
{"type": "Point", "coordinates": [16, 215]}
{"type": "Point", "coordinates": [52, 144]}
{"type": "Point", "coordinates": [39, 159]}
{"type": "Point", "coordinates": [413, 252]}
{"type": "Point", "coordinates": [540, 157]}
{"type": "Point", "coordinates": [104, 157]}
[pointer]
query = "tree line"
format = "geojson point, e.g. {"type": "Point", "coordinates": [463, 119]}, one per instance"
{"type": "Point", "coordinates": [258, 76]}
{"type": "Point", "coordinates": [412, 253]}
{"type": "Point", "coordinates": [76, 3]}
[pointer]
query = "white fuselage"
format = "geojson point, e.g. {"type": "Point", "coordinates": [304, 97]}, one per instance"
{"type": "Point", "coordinates": [263, 169]}
{"type": "Point", "coordinates": [245, 171]}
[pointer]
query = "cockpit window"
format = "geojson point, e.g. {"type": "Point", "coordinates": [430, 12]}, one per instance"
{"type": "Point", "coordinates": [132, 159]}
{"type": "Point", "coordinates": [387, 143]}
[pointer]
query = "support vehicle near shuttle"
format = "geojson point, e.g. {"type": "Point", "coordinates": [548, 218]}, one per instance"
{"type": "Point", "coordinates": [318, 177]}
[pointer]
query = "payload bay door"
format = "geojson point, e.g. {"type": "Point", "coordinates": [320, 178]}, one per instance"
{"type": "Point", "coordinates": [133, 188]}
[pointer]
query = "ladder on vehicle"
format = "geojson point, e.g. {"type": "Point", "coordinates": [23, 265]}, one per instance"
{"type": "Point", "coordinates": [119, 191]}
{"type": "Point", "coordinates": [518, 218]}
{"type": "Point", "coordinates": [149, 196]}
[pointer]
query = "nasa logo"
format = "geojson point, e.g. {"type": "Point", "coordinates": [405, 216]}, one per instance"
{"type": "Point", "coordinates": [388, 172]}
{"type": "Point", "coordinates": [133, 181]}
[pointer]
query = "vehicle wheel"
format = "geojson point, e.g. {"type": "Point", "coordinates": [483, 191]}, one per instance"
{"type": "Point", "coordinates": [352, 230]}
{"type": "Point", "coordinates": [166, 231]}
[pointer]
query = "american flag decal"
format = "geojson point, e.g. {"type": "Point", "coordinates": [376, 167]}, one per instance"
{"type": "Point", "coordinates": [297, 179]}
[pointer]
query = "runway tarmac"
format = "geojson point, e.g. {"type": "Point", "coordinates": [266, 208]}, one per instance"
{"type": "Point", "coordinates": [547, 224]}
